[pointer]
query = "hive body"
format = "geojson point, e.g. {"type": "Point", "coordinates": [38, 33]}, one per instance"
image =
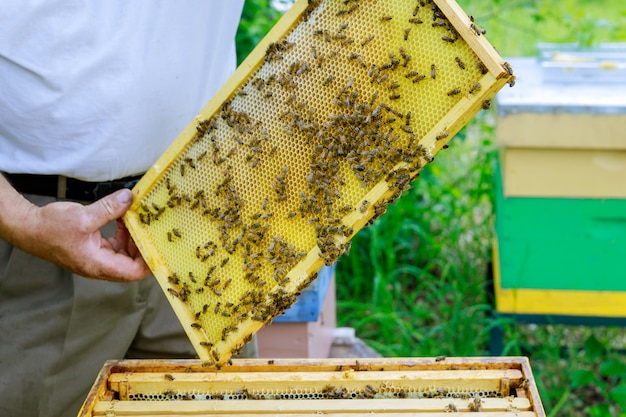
{"type": "Point", "coordinates": [326, 122]}
{"type": "Point", "coordinates": [295, 387]}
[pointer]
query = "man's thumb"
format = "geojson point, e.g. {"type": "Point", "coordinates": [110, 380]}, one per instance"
{"type": "Point", "coordinates": [111, 207]}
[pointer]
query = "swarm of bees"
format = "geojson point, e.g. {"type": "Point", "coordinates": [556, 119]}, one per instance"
{"type": "Point", "coordinates": [333, 123]}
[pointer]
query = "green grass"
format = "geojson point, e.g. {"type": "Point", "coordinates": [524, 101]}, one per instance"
{"type": "Point", "coordinates": [415, 282]}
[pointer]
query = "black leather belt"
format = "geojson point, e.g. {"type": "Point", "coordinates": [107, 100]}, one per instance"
{"type": "Point", "coordinates": [65, 188]}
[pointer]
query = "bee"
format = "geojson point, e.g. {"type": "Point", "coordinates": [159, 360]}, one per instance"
{"type": "Point", "coordinates": [176, 232]}
{"type": "Point", "coordinates": [439, 23]}
{"type": "Point", "coordinates": [442, 135]}
{"type": "Point", "coordinates": [169, 236]}
{"type": "Point", "coordinates": [475, 404]}
{"type": "Point", "coordinates": [225, 314]}
{"type": "Point", "coordinates": [416, 20]}
{"type": "Point", "coordinates": [508, 68]}
{"type": "Point", "coordinates": [191, 277]}
{"type": "Point", "coordinates": [511, 81]}
{"type": "Point", "coordinates": [475, 88]}
{"type": "Point", "coordinates": [406, 33]}
{"type": "Point", "coordinates": [394, 86]}
{"type": "Point", "coordinates": [451, 408]}
{"type": "Point", "coordinates": [386, 18]}
{"type": "Point", "coordinates": [433, 71]}
{"type": "Point", "coordinates": [182, 170]}
{"type": "Point", "coordinates": [227, 283]}
{"type": "Point", "coordinates": [169, 377]}
{"type": "Point", "coordinates": [367, 40]}
{"type": "Point", "coordinates": [224, 262]}
{"type": "Point", "coordinates": [460, 63]}
{"type": "Point", "coordinates": [454, 92]}
{"type": "Point", "coordinates": [440, 358]}
{"type": "Point", "coordinates": [482, 67]}
{"type": "Point", "coordinates": [173, 292]}
{"type": "Point", "coordinates": [394, 97]}
{"type": "Point", "coordinates": [363, 206]}
{"type": "Point", "coordinates": [190, 162]}
{"type": "Point", "coordinates": [420, 78]}
{"type": "Point", "coordinates": [448, 39]}
{"type": "Point", "coordinates": [486, 105]}
{"type": "Point", "coordinates": [328, 80]}
{"type": "Point", "coordinates": [196, 326]}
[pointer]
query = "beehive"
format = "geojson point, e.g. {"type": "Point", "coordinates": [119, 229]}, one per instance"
{"type": "Point", "coordinates": [425, 386]}
{"type": "Point", "coordinates": [561, 197]}
{"type": "Point", "coordinates": [327, 121]}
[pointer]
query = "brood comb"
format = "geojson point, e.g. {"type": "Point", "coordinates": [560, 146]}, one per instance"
{"type": "Point", "coordinates": [324, 124]}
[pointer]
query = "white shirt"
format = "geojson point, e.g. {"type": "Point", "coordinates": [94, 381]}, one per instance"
{"type": "Point", "coordinates": [97, 90]}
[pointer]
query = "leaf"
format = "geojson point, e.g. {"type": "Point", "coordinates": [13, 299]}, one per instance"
{"type": "Point", "coordinates": [581, 377]}
{"type": "Point", "coordinates": [612, 368]}
{"type": "Point", "coordinates": [618, 394]}
{"type": "Point", "coordinates": [599, 410]}
{"type": "Point", "coordinates": [593, 347]}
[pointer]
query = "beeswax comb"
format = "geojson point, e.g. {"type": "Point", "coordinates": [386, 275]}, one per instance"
{"type": "Point", "coordinates": [326, 122]}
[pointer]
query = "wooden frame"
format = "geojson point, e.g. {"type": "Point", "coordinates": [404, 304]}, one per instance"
{"type": "Point", "coordinates": [449, 93]}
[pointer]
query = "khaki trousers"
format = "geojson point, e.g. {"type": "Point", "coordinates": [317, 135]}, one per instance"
{"type": "Point", "coordinates": [57, 329]}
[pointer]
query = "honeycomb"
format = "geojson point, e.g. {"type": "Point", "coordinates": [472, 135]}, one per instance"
{"type": "Point", "coordinates": [325, 123]}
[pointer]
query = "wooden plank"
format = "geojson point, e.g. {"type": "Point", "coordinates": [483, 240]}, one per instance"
{"type": "Point", "coordinates": [570, 173]}
{"type": "Point", "coordinates": [278, 407]}
{"type": "Point", "coordinates": [146, 385]}
{"type": "Point", "coordinates": [174, 413]}
{"type": "Point", "coordinates": [562, 131]}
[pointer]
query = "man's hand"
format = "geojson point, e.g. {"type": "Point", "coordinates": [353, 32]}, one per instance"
{"type": "Point", "coordinates": [68, 234]}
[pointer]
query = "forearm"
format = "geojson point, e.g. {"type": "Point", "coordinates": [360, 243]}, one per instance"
{"type": "Point", "coordinates": [68, 234]}
{"type": "Point", "coordinates": [16, 215]}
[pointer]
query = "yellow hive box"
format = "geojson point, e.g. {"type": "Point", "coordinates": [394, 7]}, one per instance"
{"type": "Point", "coordinates": [562, 140]}
{"type": "Point", "coordinates": [326, 122]}
{"type": "Point", "coordinates": [501, 387]}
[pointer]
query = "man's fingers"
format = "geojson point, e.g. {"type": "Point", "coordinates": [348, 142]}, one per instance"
{"type": "Point", "coordinates": [109, 208]}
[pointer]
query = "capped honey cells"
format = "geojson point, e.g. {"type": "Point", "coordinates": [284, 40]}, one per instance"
{"type": "Point", "coordinates": [329, 120]}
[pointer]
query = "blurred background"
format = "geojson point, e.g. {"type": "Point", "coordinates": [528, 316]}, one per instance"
{"type": "Point", "coordinates": [419, 281]}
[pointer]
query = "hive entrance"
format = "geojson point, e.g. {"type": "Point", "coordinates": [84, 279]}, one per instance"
{"type": "Point", "coordinates": [324, 124]}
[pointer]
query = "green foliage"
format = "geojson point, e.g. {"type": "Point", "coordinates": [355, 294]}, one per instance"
{"type": "Point", "coordinates": [257, 19]}
{"type": "Point", "coordinates": [515, 26]}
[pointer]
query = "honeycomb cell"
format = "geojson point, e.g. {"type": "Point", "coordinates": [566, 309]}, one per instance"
{"type": "Point", "coordinates": [337, 117]}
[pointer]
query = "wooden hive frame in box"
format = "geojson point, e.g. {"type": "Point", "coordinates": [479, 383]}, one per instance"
{"type": "Point", "coordinates": [324, 124]}
{"type": "Point", "coordinates": [295, 387]}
